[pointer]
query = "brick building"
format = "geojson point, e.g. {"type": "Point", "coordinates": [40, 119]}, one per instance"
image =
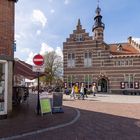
{"type": "Point", "coordinates": [7, 9]}
{"type": "Point", "coordinates": [113, 67]}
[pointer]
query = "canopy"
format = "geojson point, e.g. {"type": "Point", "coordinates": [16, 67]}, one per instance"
{"type": "Point", "coordinates": [25, 69]}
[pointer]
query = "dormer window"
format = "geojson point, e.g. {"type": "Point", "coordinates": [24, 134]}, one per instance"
{"type": "Point", "coordinates": [79, 37]}
{"type": "Point", "coordinates": [119, 47]}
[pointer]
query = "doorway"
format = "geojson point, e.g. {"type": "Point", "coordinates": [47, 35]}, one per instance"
{"type": "Point", "coordinates": [102, 85]}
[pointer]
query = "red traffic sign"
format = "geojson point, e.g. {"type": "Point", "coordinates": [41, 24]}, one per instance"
{"type": "Point", "coordinates": [38, 60]}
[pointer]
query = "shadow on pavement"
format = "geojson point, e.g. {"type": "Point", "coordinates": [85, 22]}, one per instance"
{"type": "Point", "coordinates": [90, 126]}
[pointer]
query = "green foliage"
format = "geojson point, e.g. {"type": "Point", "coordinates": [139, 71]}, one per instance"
{"type": "Point", "coordinates": [53, 67]}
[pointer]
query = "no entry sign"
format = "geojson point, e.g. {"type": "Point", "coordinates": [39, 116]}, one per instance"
{"type": "Point", "coordinates": [38, 60]}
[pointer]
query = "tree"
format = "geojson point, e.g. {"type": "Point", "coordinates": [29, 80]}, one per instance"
{"type": "Point", "coordinates": [53, 67]}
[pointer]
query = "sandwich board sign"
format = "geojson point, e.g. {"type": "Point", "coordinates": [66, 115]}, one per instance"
{"type": "Point", "coordinates": [57, 102]}
{"type": "Point", "coordinates": [45, 105]}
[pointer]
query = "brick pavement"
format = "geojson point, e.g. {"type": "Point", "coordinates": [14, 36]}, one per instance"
{"type": "Point", "coordinates": [98, 121]}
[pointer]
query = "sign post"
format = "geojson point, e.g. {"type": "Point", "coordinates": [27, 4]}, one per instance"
{"type": "Point", "coordinates": [38, 61]}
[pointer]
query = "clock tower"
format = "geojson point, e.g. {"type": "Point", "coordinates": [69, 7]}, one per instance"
{"type": "Point", "coordinates": [98, 27]}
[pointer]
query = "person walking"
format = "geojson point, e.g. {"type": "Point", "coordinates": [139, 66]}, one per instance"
{"type": "Point", "coordinates": [94, 89]}
{"type": "Point", "coordinates": [76, 90]}
{"type": "Point", "coordinates": [85, 92]}
{"type": "Point", "coordinates": [82, 91]}
{"type": "Point", "coordinates": [72, 92]}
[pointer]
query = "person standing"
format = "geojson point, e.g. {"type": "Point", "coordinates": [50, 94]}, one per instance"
{"type": "Point", "coordinates": [94, 89]}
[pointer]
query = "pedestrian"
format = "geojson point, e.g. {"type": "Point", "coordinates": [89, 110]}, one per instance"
{"type": "Point", "coordinates": [72, 92]}
{"type": "Point", "coordinates": [85, 92]}
{"type": "Point", "coordinates": [82, 91]}
{"type": "Point", "coordinates": [94, 89]}
{"type": "Point", "coordinates": [76, 90]}
{"type": "Point", "coordinates": [66, 91]}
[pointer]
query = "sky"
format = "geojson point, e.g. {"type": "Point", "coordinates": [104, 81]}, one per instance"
{"type": "Point", "coordinates": [43, 25]}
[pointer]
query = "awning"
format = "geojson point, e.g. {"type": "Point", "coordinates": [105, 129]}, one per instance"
{"type": "Point", "coordinates": [25, 69]}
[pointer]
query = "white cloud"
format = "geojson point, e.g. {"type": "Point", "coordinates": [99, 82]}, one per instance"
{"type": "Point", "coordinates": [66, 2]}
{"type": "Point", "coordinates": [30, 58]}
{"type": "Point", "coordinates": [39, 17]}
{"type": "Point", "coordinates": [52, 11]}
{"type": "Point", "coordinates": [25, 50]}
{"type": "Point", "coordinates": [17, 36]}
{"type": "Point", "coordinates": [59, 51]}
{"type": "Point", "coordinates": [38, 32]}
{"type": "Point", "coordinates": [45, 48]}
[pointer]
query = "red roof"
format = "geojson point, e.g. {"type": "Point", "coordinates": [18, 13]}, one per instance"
{"type": "Point", "coordinates": [125, 49]}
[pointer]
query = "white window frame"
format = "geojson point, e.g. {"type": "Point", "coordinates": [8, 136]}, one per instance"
{"type": "Point", "coordinates": [127, 79]}
{"type": "Point", "coordinates": [71, 60]}
{"type": "Point", "coordinates": [79, 37]}
{"type": "Point", "coordinates": [88, 60]}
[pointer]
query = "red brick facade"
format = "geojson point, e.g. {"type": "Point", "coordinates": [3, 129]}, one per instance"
{"type": "Point", "coordinates": [114, 67]}
{"type": "Point", "coordinates": [6, 29]}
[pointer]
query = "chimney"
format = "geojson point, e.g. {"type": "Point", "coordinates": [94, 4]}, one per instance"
{"type": "Point", "coordinates": [129, 39]}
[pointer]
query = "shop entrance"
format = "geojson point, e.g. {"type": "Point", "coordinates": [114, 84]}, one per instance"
{"type": "Point", "coordinates": [102, 85]}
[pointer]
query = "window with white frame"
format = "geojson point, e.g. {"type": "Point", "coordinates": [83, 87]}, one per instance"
{"type": "Point", "coordinates": [129, 80]}
{"type": "Point", "coordinates": [70, 80]}
{"type": "Point", "coordinates": [71, 60]}
{"type": "Point", "coordinates": [98, 53]}
{"type": "Point", "coordinates": [88, 80]}
{"type": "Point", "coordinates": [130, 62]}
{"type": "Point", "coordinates": [88, 59]}
{"type": "Point", "coordinates": [102, 63]}
{"type": "Point", "coordinates": [123, 62]}
{"type": "Point", "coordinates": [79, 37]}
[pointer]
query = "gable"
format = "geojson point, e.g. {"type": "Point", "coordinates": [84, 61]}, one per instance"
{"type": "Point", "coordinates": [78, 35]}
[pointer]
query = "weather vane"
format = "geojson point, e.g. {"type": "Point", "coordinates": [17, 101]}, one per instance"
{"type": "Point", "coordinates": [98, 1]}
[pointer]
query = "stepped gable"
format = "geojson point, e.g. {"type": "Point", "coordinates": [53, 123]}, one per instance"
{"type": "Point", "coordinates": [78, 35]}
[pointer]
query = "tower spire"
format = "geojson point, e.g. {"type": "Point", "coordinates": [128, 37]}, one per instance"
{"type": "Point", "coordinates": [79, 26]}
{"type": "Point", "coordinates": [98, 27]}
{"type": "Point", "coordinates": [98, 3]}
